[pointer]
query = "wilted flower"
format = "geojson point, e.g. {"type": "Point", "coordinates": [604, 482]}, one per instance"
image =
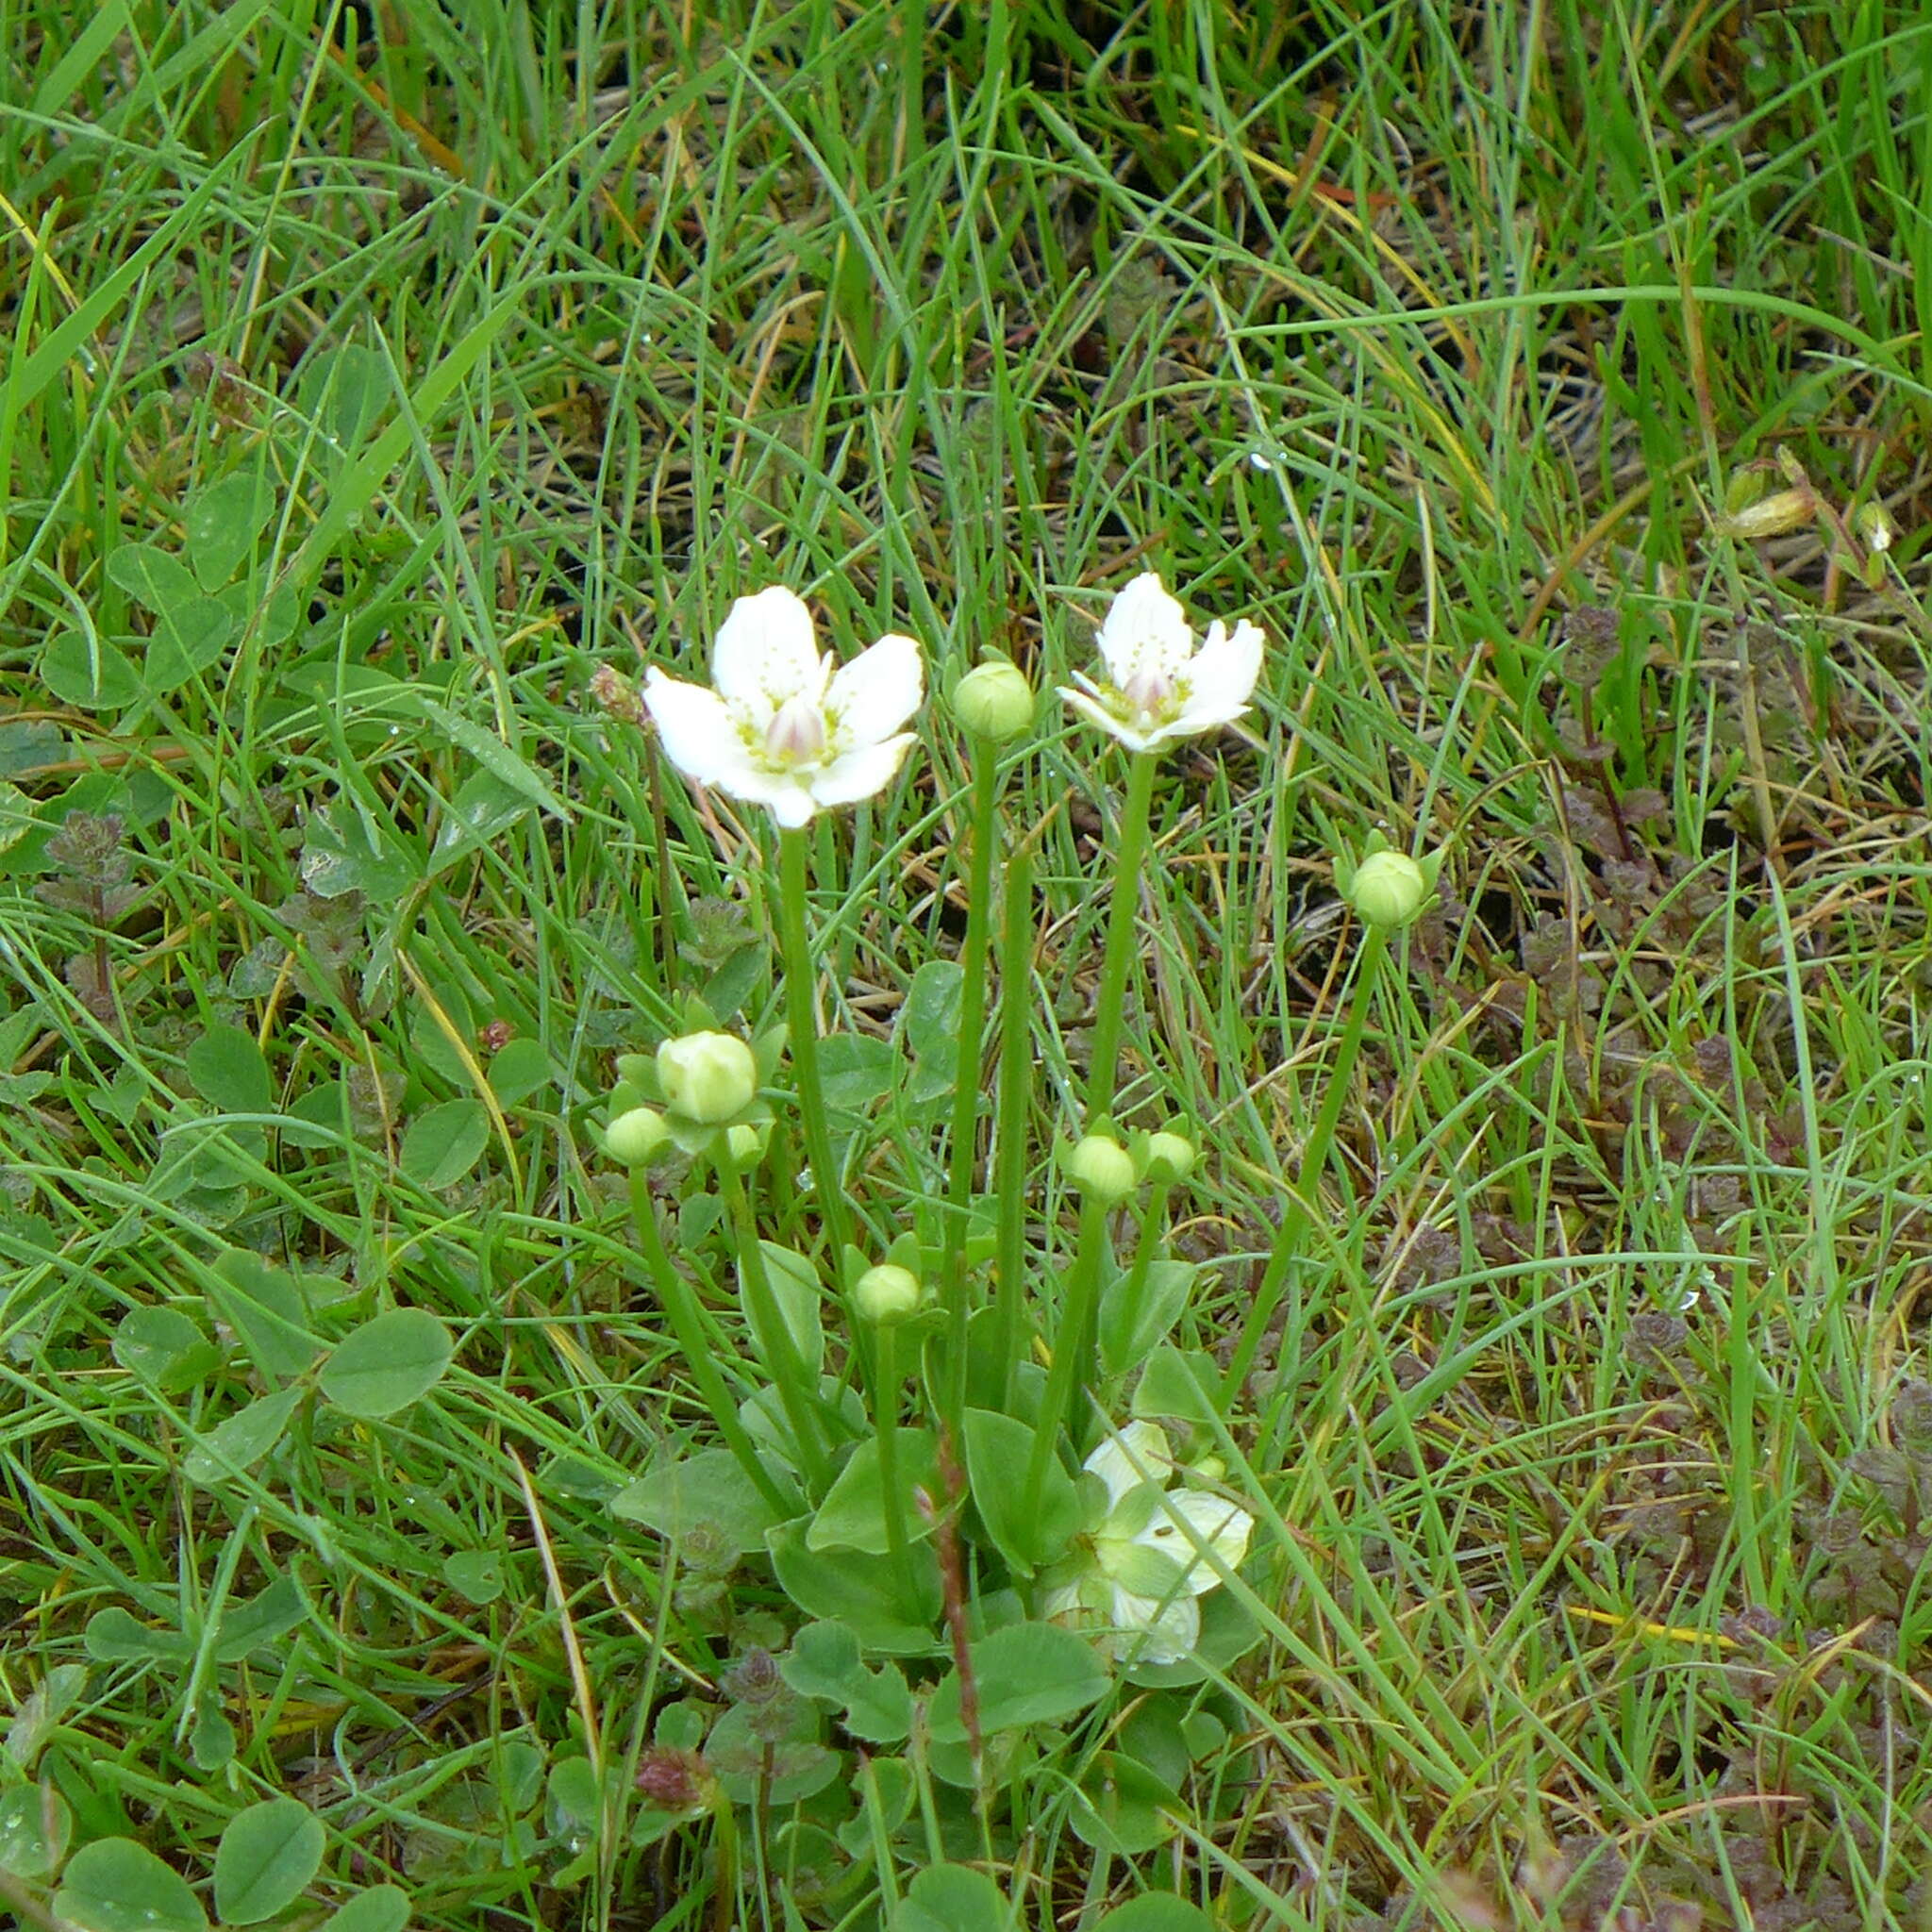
{"type": "Point", "coordinates": [783, 728]}
{"type": "Point", "coordinates": [675, 1780]}
{"type": "Point", "coordinates": [1157, 685]}
{"type": "Point", "coordinates": [616, 694]}
{"type": "Point", "coordinates": [1149, 1561]}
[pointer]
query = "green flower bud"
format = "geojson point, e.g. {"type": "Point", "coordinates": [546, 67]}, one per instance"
{"type": "Point", "coordinates": [744, 1146]}
{"type": "Point", "coordinates": [886, 1293]}
{"type": "Point", "coordinates": [993, 700]}
{"type": "Point", "coordinates": [635, 1137]}
{"type": "Point", "coordinates": [1170, 1157]}
{"type": "Point", "coordinates": [707, 1076]}
{"type": "Point", "coordinates": [1389, 889]}
{"type": "Point", "coordinates": [1100, 1166]}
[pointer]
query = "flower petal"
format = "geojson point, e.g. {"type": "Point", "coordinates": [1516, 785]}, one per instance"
{"type": "Point", "coordinates": [858, 773]}
{"type": "Point", "coordinates": [696, 731]}
{"type": "Point", "coordinates": [1193, 1523]}
{"type": "Point", "coordinates": [1131, 1456]}
{"type": "Point", "coordinates": [1164, 1633]}
{"type": "Point", "coordinates": [784, 795]}
{"type": "Point", "coordinates": [1221, 679]}
{"type": "Point", "coordinates": [873, 695]}
{"type": "Point", "coordinates": [766, 653]}
{"type": "Point", "coordinates": [1095, 712]}
{"type": "Point", "coordinates": [1145, 631]}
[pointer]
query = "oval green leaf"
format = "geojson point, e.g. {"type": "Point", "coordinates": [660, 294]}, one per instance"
{"type": "Point", "coordinates": [381, 1908]}
{"type": "Point", "coordinates": [35, 1825]}
{"type": "Point", "coordinates": [231, 1072]}
{"type": "Point", "coordinates": [953, 1898]}
{"type": "Point", "coordinates": [115, 1885]}
{"type": "Point", "coordinates": [1157, 1911]}
{"type": "Point", "coordinates": [243, 1440]}
{"type": "Point", "coordinates": [444, 1142]}
{"type": "Point", "coordinates": [267, 1856]}
{"type": "Point", "coordinates": [1028, 1673]}
{"type": "Point", "coordinates": [386, 1363]}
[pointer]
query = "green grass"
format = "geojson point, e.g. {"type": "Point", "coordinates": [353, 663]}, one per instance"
{"type": "Point", "coordinates": [1592, 1452]}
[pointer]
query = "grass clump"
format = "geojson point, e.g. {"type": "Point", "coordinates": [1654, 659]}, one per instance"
{"type": "Point", "coordinates": [410, 1512]}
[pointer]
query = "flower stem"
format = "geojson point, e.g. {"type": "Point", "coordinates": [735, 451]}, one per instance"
{"type": "Point", "coordinates": [963, 1150]}
{"type": "Point", "coordinates": [1010, 1114]}
{"type": "Point", "coordinates": [801, 1014]}
{"type": "Point", "coordinates": [796, 1383]}
{"type": "Point", "coordinates": [1306, 1193]}
{"type": "Point", "coordinates": [885, 1419]}
{"type": "Point", "coordinates": [1072, 1341]}
{"type": "Point", "coordinates": [1148, 1248]}
{"type": "Point", "coordinates": [1103, 1069]}
{"type": "Point", "coordinates": [674, 1295]}
{"type": "Point", "coordinates": [1073, 1347]}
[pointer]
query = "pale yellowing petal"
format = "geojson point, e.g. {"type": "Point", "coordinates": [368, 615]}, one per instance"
{"type": "Point", "coordinates": [1153, 1631]}
{"type": "Point", "coordinates": [1189, 1525]}
{"type": "Point", "coordinates": [1133, 1455]}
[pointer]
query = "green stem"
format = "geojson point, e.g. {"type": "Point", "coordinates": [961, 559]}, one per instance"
{"type": "Point", "coordinates": [801, 1016]}
{"type": "Point", "coordinates": [796, 1383]}
{"type": "Point", "coordinates": [885, 1419]}
{"type": "Point", "coordinates": [1123, 923]}
{"type": "Point", "coordinates": [1146, 1249]}
{"type": "Point", "coordinates": [1307, 1186]}
{"type": "Point", "coordinates": [681, 1306]}
{"type": "Point", "coordinates": [1010, 1114]}
{"type": "Point", "coordinates": [964, 1148]}
{"type": "Point", "coordinates": [1073, 1344]}
{"type": "Point", "coordinates": [1073, 1347]}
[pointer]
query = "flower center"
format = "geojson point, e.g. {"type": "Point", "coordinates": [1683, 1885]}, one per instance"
{"type": "Point", "coordinates": [796, 735]}
{"type": "Point", "coordinates": [1149, 695]}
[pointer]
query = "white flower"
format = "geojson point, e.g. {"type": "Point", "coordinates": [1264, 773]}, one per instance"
{"type": "Point", "coordinates": [1157, 685]}
{"type": "Point", "coordinates": [1159, 1550]}
{"type": "Point", "coordinates": [784, 729]}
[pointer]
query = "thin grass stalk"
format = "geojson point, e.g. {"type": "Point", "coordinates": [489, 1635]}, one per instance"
{"type": "Point", "coordinates": [1307, 1185]}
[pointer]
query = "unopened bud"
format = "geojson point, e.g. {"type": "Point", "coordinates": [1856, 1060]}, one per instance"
{"type": "Point", "coordinates": [1170, 1157]}
{"type": "Point", "coordinates": [993, 700]}
{"type": "Point", "coordinates": [1100, 1166]}
{"type": "Point", "coordinates": [886, 1293]}
{"type": "Point", "coordinates": [635, 1137]}
{"type": "Point", "coordinates": [744, 1146]}
{"type": "Point", "coordinates": [1389, 889]}
{"type": "Point", "coordinates": [707, 1076]}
